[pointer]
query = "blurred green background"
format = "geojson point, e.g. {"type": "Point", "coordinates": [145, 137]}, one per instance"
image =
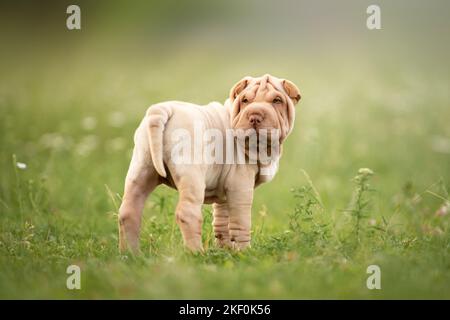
{"type": "Point", "coordinates": [71, 100]}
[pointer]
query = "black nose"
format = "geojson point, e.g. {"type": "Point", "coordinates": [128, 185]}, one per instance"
{"type": "Point", "coordinates": [255, 119]}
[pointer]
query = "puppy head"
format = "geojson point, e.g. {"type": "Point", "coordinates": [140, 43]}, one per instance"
{"type": "Point", "coordinates": [264, 103]}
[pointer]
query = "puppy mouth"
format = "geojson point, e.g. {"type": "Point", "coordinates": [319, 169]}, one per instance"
{"type": "Point", "coordinates": [257, 127]}
{"type": "Point", "coordinates": [269, 126]}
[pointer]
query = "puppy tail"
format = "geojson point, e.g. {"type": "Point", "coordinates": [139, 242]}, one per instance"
{"type": "Point", "coordinates": [157, 118]}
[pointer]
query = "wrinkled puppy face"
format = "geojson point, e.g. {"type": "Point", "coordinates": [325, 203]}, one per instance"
{"type": "Point", "coordinates": [264, 104]}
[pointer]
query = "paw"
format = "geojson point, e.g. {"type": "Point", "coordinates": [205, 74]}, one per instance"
{"type": "Point", "coordinates": [240, 246]}
{"type": "Point", "coordinates": [222, 241]}
{"type": "Point", "coordinates": [194, 245]}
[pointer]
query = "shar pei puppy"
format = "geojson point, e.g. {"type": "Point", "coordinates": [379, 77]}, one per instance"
{"type": "Point", "coordinates": [214, 154]}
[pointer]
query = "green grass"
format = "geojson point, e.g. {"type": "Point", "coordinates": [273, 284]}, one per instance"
{"type": "Point", "coordinates": [316, 227]}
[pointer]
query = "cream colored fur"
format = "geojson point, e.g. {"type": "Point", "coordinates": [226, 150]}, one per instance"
{"type": "Point", "coordinates": [253, 102]}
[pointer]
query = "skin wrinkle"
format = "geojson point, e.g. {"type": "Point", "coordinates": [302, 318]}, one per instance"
{"type": "Point", "coordinates": [264, 91]}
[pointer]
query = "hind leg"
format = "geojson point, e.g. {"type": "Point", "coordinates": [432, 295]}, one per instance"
{"type": "Point", "coordinates": [140, 181]}
{"type": "Point", "coordinates": [189, 211]}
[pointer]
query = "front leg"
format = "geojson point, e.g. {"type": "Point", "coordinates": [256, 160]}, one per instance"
{"type": "Point", "coordinates": [220, 224]}
{"type": "Point", "coordinates": [240, 211]}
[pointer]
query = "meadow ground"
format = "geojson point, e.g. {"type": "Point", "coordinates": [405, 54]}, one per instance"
{"type": "Point", "coordinates": [316, 227]}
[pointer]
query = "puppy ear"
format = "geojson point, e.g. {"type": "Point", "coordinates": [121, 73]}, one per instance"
{"type": "Point", "coordinates": [292, 91]}
{"type": "Point", "coordinates": [238, 87]}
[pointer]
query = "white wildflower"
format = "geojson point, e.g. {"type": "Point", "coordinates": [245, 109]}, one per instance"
{"type": "Point", "coordinates": [87, 145]}
{"type": "Point", "coordinates": [55, 141]}
{"type": "Point", "coordinates": [89, 123]}
{"type": "Point", "coordinates": [116, 119]}
{"type": "Point", "coordinates": [365, 171]}
{"type": "Point", "coordinates": [21, 165]}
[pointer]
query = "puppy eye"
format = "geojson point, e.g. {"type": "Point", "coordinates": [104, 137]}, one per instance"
{"type": "Point", "coordinates": [277, 100]}
{"type": "Point", "coordinates": [244, 100]}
